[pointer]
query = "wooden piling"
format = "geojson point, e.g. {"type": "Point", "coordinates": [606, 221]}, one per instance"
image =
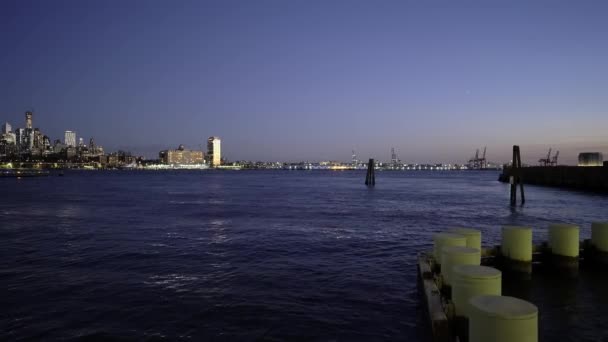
{"type": "Point", "coordinates": [516, 177]}
{"type": "Point", "coordinates": [370, 178]}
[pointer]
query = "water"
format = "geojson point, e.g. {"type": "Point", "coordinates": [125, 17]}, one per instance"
{"type": "Point", "coordinates": [251, 255]}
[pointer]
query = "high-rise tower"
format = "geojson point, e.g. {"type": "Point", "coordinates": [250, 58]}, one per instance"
{"type": "Point", "coordinates": [214, 151]}
{"type": "Point", "coordinates": [70, 138]}
{"type": "Point", "coordinates": [28, 120]}
{"type": "Point", "coordinates": [6, 128]}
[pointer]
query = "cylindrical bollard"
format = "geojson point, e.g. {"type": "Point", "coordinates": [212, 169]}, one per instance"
{"type": "Point", "coordinates": [456, 255]}
{"type": "Point", "coordinates": [502, 319]}
{"type": "Point", "coordinates": [599, 236]}
{"type": "Point", "coordinates": [473, 236]}
{"type": "Point", "coordinates": [599, 240]}
{"type": "Point", "coordinates": [444, 240]}
{"type": "Point", "coordinates": [469, 281]}
{"type": "Point", "coordinates": [564, 239]}
{"type": "Point", "coordinates": [564, 245]}
{"type": "Point", "coordinates": [516, 248]}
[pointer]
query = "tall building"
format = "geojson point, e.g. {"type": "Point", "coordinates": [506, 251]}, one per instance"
{"type": "Point", "coordinates": [28, 120]}
{"type": "Point", "coordinates": [21, 137]}
{"type": "Point", "coordinates": [214, 151]}
{"type": "Point", "coordinates": [70, 139]}
{"type": "Point", "coordinates": [6, 128]}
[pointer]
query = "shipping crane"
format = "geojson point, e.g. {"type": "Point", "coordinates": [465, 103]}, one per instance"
{"type": "Point", "coordinates": [554, 159]}
{"type": "Point", "coordinates": [549, 161]}
{"type": "Point", "coordinates": [545, 161]}
{"type": "Point", "coordinates": [478, 163]}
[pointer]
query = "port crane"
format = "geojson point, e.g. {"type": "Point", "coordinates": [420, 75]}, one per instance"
{"type": "Point", "coordinates": [549, 161]}
{"type": "Point", "coordinates": [554, 159]}
{"type": "Point", "coordinates": [477, 162]}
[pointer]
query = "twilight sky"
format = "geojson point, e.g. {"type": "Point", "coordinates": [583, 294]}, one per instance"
{"type": "Point", "coordinates": [296, 80]}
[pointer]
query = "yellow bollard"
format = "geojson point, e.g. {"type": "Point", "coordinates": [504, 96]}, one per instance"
{"type": "Point", "coordinates": [564, 245]}
{"type": "Point", "coordinates": [456, 255]}
{"type": "Point", "coordinates": [502, 319]}
{"type": "Point", "coordinates": [473, 236]}
{"type": "Point", "coordinates": [517, 243]}
{"type": "Point", "coordinates": [446, 239]}
{"type": "Point", "coordinates": [516, 248]}
{"type": "Point", "coordinates": [564, 239]}
{"type": "Point", "coordinates": [469, 281]}
{"type": "Point", "coordinates": [599, 236]}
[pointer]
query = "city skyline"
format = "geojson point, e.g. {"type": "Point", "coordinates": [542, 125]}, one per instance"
{"type": "Point", "coordinates": [531, 160]}
{"type": "Point", "coordinates": [312, 81]}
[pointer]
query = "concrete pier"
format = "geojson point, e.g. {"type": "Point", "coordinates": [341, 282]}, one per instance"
{"type": "Point", "coordinates": [583, 178]}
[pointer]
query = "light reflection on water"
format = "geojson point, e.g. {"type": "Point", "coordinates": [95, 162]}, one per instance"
{"type": "Point", "coordinates": [235, 255]}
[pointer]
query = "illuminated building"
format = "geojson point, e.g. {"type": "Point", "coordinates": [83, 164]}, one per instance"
{"type": "Point", "coordinates": [181, 156]}
{"type": "Point", "coordinates": [28, 120]}
{"type": "Point", "coordinates": [70, 138]}
{"type": "Point", "coordinates": [214, 151]}
{"type": "Point", "coordinates": [590, 159]}
{"type": "Point", "coordinates": [6, 128]}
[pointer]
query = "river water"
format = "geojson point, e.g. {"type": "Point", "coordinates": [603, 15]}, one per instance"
{"type": "Point", "coordinates": [260, 255]}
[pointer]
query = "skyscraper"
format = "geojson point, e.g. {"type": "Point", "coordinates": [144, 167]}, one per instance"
{"type": "Point", "coordinates": [6, 128]}
{"type": "Point", "coordinates": [28, 120]}
{"type": "Point", "coordinates": [70, 138]}
{"type": "Point", "coordinates": [214, 151]}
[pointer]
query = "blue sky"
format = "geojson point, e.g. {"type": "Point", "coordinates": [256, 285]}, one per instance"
{"type": "Point", "coordinates": [297, 80]}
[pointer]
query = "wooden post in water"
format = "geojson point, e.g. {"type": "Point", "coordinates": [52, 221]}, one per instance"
{"type": "Point", "coordinates": [515, 177]}
{"type": "Point", "coordinates": [370, 178]}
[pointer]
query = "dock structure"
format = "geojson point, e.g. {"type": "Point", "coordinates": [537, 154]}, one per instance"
{"type": "Point", "coordinates": [589, 178]}
{"type": "Point", "coordinates": [463, 301]}
{"type": "Point", "coordinates": [370, 178]}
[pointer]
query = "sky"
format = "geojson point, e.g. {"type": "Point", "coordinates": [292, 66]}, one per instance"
{"type": "Point", "coordinates": [297, 80]}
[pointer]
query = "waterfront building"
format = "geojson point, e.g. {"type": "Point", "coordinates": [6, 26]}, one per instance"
{"type": "Point", "coordinates": [214, 151]}
{"type": "Point", "coordinates": [590, 159]}
{"type": "Point", "coordinates": [70, 138]}
{"type": "Point", "coordinates": [181, 156]}
{"type": "Point", "coordinates": [6, 128]}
